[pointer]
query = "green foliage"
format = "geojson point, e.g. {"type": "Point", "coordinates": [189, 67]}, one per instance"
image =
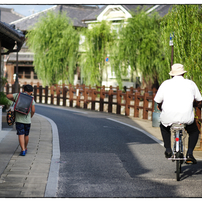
{"type": "Point", "coordinates": [98, 41]}
{"type": "Point", "coordinates": [55, 43]}
{"type": "Point", "coordinates": [185, 21]}
{"type": "Point", "coordinates": [3, 99]}
{"type": "Point", "coordinates": [138, 46]}
{"type": "Point", "coordinates": [3, 81]}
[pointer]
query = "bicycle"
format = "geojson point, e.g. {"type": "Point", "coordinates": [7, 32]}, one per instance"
{"type": "Point", "coordinates": [178, 150]}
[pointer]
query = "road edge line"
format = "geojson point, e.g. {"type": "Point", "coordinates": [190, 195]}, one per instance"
{"type": "Point", "coordinates": [143, 131]}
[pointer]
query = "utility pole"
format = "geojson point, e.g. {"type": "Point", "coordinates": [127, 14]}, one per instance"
{"type": "Point", "coordinates": [16, 79]}
{"type": "Point", "coordinates": [172, 48]}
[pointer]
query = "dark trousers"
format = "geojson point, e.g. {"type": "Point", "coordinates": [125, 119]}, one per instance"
{"type": "Point", "coordinates": [192, 130]}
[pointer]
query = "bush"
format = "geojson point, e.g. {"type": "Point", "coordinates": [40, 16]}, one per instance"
{"type": "Point", "coordinates": [3, 99]}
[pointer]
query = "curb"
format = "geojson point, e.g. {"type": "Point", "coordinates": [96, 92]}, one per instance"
{"type": "Point", "coordinates": [52, 184]}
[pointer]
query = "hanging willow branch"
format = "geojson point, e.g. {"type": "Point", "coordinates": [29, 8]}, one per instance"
{"type": "Point", "coordinates": [185, 21]}
{"type": "Point", "coordinates": [55, 43]}
{"type": "Point", "coordinates": [98, 41]}
{"type": "Point", "coordinates": [138, 46]}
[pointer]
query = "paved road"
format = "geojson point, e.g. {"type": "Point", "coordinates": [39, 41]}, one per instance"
{"type": "Point", "coordinates": [103, 158]}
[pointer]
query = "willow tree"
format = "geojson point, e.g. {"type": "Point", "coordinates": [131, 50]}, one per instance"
{"type": "Point", "coordinates": [185, 22]}
{"type": "Point", "coordinates": [55, 43]}
{"type": "Point", "coordinates": [138, 46]}
{"type": "Point", "coordinates": [98, 40]}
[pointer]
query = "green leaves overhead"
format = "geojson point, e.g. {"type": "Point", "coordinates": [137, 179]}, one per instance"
{"type": "Point", "coordinates": [185, 21]}
{"type": "Point", "coordinates": [98, 40]}
{"type": "Point", "coordinates": [55, 43]}
{"type": "Point", "coordinates": [138, 45]}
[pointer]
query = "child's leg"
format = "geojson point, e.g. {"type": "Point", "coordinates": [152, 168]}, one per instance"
{"type": "Point", "coordinates": [22, 142]}
{"type": "Point", "coordinates": [26, 141]}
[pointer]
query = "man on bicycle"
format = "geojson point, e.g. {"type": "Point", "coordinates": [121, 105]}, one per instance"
{"type": "Point", "coordinates": [175, 99]}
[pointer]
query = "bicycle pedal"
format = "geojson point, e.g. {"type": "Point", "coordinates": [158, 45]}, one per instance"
{"type": "Point", "coordinates": [189, 162]}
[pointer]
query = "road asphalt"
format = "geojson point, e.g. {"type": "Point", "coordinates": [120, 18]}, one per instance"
{"type": "Point", "coordinates": [35, 175]}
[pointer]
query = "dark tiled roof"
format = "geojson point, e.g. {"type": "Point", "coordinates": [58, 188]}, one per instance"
{"type": "Point", "coordinates": [162, 9]}
{"type": "Point", "coordinates": [133, 7]}
{"type": "Point", "coordinates": [128, 7]}
{"type": "Point", "coordinates": [94, 15]}
{"type": "Point", "coordinates": [75, 12]}
{"type": "Point", "coordinates": [27, 22]}
{"type": "Point", "coordinates": [8, 15]}
{"type": "Point", "coordinates": [9, 35]}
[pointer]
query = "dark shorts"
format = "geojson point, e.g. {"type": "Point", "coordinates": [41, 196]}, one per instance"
{"type": "Point", "coordinates": [22, 128]}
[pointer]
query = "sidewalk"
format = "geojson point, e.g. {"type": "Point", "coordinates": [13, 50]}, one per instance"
{"type": "Point", "coordinates": [28, 176]}
{"type": "Point", "coordinates": [25, 176]}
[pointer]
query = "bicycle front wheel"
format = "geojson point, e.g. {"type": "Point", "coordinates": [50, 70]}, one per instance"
{"type": "Point", "coordinates": [178, 169]}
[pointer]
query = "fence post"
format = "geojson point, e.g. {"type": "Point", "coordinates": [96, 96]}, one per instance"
{"type": "Point", "coordinates": [58, 94]}
{"type": "Point", "coordinates": [127, 107]}
{"type": "Point", "coordinates": [37, 87]}
{"type": "Point", "coordinates": [145, 104]}
{"type": "Point", "coordinates": [131, 90]}
{"type": "Point", "coordinates": [85, 98]}
{"type": "Point", "coordinates": [52, 94]}
{"type": "Point", "coordinates": [198, 116]}
{"type": "Point", "coordinates": [35, 93]}
{"type": "Point", "coordinates": [110, 99]}
{"type": "Point", "coordinates": [40, 94]}
{"type": "Point", "coordinates": [64, 93]}
{"type": "Point", "coordinates": [46, 95]}
{"type": "Point", "coordinates": [198, 122]}
{"type": "Point", "coordinates": [71, 97]}
{"type": "Point", "coordinates": [118, 107]}
{"type": "Point", "coordinates": [102, 96]}
{"type": "Point", "coordinates": [93, 95]}
{"type": "Point", "coordinates": [153, 95]}
{"type": "Point", "coordinates": [137, 101]}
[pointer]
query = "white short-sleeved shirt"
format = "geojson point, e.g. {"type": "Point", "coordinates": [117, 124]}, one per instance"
{"type": "Point", "coordinates": [177, 95]}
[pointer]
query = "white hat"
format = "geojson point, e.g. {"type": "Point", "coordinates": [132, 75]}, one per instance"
{"type": "Point", "coordinates": [177, 69]}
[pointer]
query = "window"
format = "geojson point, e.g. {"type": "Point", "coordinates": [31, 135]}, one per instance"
{"type": "Point", "coordinates": [24, 72]}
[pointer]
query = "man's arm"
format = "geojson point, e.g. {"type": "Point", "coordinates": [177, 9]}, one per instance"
{"type": "Point", "coordinates": [32, 111]}
{"type": "Point", "coordinates": [10, 97]}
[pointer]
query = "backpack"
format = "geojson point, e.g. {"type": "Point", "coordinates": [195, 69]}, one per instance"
{"type": "Point", "coordinates": [23, 103]}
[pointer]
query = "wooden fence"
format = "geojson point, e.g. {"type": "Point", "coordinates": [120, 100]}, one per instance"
{"type": "Point", "coordinates": [138, 102]}
{"type": "Point", "coordinates": [134, 102]}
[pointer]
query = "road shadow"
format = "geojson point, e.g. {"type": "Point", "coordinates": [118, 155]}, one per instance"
{"type": "Point", "coordinates": [189, 171]}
